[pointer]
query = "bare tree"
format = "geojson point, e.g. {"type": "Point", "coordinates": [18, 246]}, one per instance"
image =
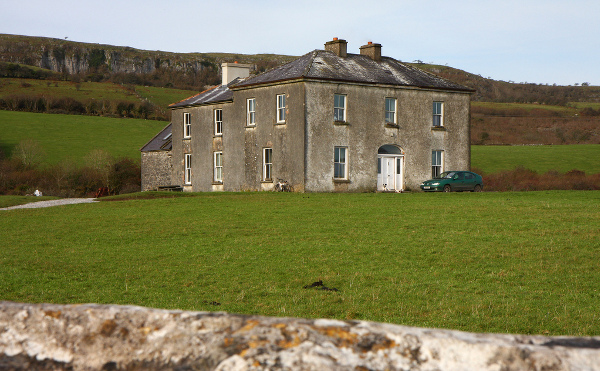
{"type": "Point", "coordinates": [102, 162]}
{"type": "Point", "coordinates": [29, 152]}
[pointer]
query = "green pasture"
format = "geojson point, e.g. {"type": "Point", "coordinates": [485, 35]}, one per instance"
{"type": "Point", "coordinates": [74, 136]}
{"type": "Point", "coordinates": [162, 97]}
{"type": "Point", "coordinates": [523, 262]}
{"type": "Point", "coordinates": [82, 91]}
{"type": "Point", "coordinates": [561, 158]}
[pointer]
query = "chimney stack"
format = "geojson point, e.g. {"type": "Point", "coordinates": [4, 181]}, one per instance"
{"type": "Point", "coordinates": [372, 51]}
{"type": "Point", "coordinates": [232, 71]}
{"type": "Point", "coordinates": [338, 47]}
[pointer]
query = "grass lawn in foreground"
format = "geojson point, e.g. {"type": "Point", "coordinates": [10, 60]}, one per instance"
{"type": "Point", "coordinates": [522, 262]}
{"type": "Point", "coordinates": [74, 136]}
{"type": "Point", "coordinates": [562, 158]}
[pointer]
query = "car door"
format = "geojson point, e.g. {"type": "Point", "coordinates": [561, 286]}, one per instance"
{"type": "Point", "coordinates": [458, 183]}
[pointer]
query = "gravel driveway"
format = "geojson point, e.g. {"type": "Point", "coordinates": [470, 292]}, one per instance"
{"type": "Point", "coordinates": [64, 201]}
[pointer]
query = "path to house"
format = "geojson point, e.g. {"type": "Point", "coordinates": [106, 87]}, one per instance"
{"type": "Point", "coordinates": [64, 201]}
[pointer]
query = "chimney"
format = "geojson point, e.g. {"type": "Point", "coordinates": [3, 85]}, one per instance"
{"type": "Point", "coordinates": [231, 71]}
{"type": "Point", "coordinates": [338, 47]}
{"type": "Point", "coordinates": [372, 51]}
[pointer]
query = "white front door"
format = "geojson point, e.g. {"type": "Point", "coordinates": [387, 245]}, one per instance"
{"type": "Point", "coordinates": [389, 173]}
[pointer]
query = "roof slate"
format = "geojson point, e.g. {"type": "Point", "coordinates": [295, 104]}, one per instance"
{"type": "Point", "coordinates": [325, 65]}
{"type": "Point", "coordinates": [160, 142]}
{"type": "Point", "coordinates": [219, 93]}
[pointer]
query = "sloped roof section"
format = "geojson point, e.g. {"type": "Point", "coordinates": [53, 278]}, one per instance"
{"type": "Point", "coordinates": [160, 142]}
{"type": "Point", "coordinates": [325, 65]}
{"type": "Point", "coordinates": [219, 93]}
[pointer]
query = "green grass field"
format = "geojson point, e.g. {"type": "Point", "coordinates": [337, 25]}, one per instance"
{"type": "Point", "coordinates": [82, 91]}
{"type": "Point", "coordinates": [522, 262]}
{"type": "Point", "coordinates": [163, 96]}
{"type": "Point", "coordinates": [562, 158]}
{"type": "Point", "coordinates": [74, 136]}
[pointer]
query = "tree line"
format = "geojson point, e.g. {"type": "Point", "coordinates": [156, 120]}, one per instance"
{"type": "Point", "coordinates": [24, 172]}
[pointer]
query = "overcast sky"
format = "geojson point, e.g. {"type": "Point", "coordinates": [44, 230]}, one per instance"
{"type": "Point", "coordinates": [539, 41]}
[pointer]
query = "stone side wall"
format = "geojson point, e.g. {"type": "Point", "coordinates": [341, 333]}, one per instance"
{"type": "Point", "coordinates": [156, 169]}
{"type": "Point", "coordinates": [92, 337]}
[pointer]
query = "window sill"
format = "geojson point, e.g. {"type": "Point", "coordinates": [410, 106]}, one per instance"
{"type": "Point", "coordinates": [250, 126]}
{"type": "Point", "coordinates": [218, 136]}
{"type": "Point", "coordinates": [280, 123]}
{"type": "Point", "coordinates": [341, 123]}
{"type": "Point", "coordinates": [438, 128]}
{"type": "Point", "coordinates": [187, 138]}
{"type": "Point", "coordinates": [217, 183]}
{"type": "Point", "coordinates": [267, 181]}
{"type": "Point", "coordinates": [338, 180]}
{"type": "Point", "coordinates": [392, 125]}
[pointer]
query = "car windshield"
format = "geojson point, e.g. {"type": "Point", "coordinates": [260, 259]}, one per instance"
{"type": "Point", "coordinates": [446, 175]}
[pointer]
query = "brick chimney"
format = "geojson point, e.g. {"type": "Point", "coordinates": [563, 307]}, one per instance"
{"type": "Point", "coordinates": [338, 47]}
{"type": "Point", "coordinates": [231, 71]}
{"type": "Point", "coordinates": [372, 51]}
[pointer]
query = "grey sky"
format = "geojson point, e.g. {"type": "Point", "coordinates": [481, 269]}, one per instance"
{"type": "Point", "coordinates": [540, 41]}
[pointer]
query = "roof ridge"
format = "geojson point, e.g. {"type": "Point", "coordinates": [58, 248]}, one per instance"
{"type": "Point", "coordinates": [310, 63]}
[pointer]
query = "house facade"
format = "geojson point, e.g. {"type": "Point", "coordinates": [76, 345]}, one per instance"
{"type": "Point", "coordinates": [329, 121]}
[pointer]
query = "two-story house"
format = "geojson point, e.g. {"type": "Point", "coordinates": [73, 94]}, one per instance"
{"type": "Point", "coordinates": [329, 121]}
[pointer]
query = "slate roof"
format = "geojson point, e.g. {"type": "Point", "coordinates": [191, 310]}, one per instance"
{"type": "Point", "coordinates": [325, 65]}
{"type": "Point", "coordinates": [160, 142]}
{"type": "Point", "coordinates": [219, 93]}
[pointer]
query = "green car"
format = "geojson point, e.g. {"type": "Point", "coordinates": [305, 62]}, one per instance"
{"type": "Point", "coordinates": [450, 181]}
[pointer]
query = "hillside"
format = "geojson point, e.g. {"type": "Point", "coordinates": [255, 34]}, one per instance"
{"type": "Point", "coordinates": [502, 112]}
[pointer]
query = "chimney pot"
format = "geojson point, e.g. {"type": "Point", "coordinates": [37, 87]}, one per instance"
{"type": "Point", "coordinates": [372, 51]}
{"type": "Point", "coordinates": [338, 47]}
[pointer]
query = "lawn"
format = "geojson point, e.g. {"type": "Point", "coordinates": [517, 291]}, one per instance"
{"type": "Point", "coordinates": [562, 158]}
{"type": "Point", "coordinates": [523, 262]}
{"type": "Point", "coordinates": [74, 136]}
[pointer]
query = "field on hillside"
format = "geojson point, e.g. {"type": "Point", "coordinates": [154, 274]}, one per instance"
{"type": "Point", "coordinates": [561, 158]}
{"type": "Point", "coordinates": [487, 262]}
{"type": "Point", "coordinates": [74, 136]}
{"type": "Point", "coordinates": [82, 91]}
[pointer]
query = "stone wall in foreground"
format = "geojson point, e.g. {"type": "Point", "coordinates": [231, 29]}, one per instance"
{"type": "Point", "coordinates": [111, 337]}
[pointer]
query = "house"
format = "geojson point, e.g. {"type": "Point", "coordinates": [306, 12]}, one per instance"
{"type": "Point", "coordinates": [329, 121]}
{"type": "Point", "coordinates": [157, 166]}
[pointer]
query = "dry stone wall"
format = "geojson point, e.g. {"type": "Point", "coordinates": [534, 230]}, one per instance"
{"type": "Point", "coordinates": [110, 337]}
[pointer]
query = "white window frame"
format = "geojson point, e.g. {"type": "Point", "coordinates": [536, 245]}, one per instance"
{"type": "Point", "coordinates": [281, 106]}
{"type": "Point", "coordinates": [187, 174]}
{"type": "Point", "coordinates": [438, 114]}
{"type": "Point", "coordinates": [218, 119]}
{"type": "Point", "coordinates": [437, 163]}
{"type": "Point", "coordinates": [339, 110]}
{"type": "Point", "coordinates": [267, 173]}
{"type": "Point", "coordinates": [340, 161]}
{"type": "Point", "coordinates": [390, 112]}
{"type": "Point", "coordinates": [187, 125]}
{"type": "Point", "coordinates": [251, 111]}
{"type": "Point", "coordinates": [218, 167]}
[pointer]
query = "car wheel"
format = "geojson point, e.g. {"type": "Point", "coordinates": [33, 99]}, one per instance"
{"type": "Point", "coordinates": [477, 188]}
{"type": "Point", "coordinates": [447, 188]}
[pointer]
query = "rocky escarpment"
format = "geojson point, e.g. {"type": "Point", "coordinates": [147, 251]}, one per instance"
{"type": "Point", "coordinates": [76, 58]}
{"type": "Point", "coordinates": [91, 337]}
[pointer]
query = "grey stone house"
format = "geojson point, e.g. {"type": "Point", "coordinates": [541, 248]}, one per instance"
{"type": "Point", "coordinates": [157, 166]}
{"type": "Point", "coordinates": [329, 121]}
